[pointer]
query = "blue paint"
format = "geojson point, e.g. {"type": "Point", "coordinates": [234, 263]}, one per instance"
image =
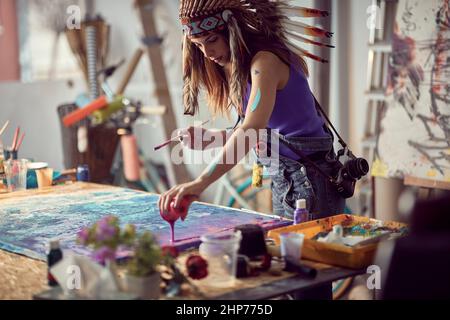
{"type": "Point", "coordinates": [26, 227]}
{"type": "Point", "coordinates": [256, 101]}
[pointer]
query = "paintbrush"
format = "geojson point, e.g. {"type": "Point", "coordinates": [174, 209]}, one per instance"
{"type": "Point", "coordinates": [174, 139]}
{"type": "Point", "coordinates": [20, 142]}
{"type": "Point", "coordinates": [16, 135]}
{"type": "Point", "coordinates": [4, 127]}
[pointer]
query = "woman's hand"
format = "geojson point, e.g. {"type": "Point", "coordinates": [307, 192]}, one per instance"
{"type": "Point", "coordinates": [198, 138]}
{"type": "Point", "coordinates": [192, 141]}
{"type": "Point", "coordinates": [193, 188]}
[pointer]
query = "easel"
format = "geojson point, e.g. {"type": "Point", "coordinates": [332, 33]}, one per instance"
{"type": "Point", "coordinates": [427, 187]}
{"type": "Point", "coordinates": [176, 174]}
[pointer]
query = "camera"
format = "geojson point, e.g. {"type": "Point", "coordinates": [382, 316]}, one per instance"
{"type": "Point", "coordinates": [348, 173]}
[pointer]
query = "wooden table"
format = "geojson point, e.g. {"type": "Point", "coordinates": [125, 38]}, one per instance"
{"type": "Point", "coordinates": [22, 277]}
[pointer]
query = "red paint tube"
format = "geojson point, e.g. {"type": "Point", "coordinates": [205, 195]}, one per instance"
{"type": "Point", "coordinates": [84, 112]}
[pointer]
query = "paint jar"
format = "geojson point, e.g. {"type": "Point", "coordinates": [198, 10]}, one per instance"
{"type": "Point", "coordinates": [16, 174]}
{"type": "Point", "coordinates": [44, 177]}
{"type": "Point", "coordinates": [291, 245]}
{"type": "Point", "coordinates": [220, 251]}
{"type": "Point", "coordinates": [10, 154]}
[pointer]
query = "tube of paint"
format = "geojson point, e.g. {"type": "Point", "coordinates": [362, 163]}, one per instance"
{"type": "Point", "coordinates": [182, 209]}
{"type": "Point", "coordinates": [84, 112]}
{"type": "Point", "coordinates": [130, 155]}
{"type": "Point", "coordinates": [102, 115]}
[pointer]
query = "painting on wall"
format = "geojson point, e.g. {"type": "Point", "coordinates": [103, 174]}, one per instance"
{"type": "Point", "coordinates": [414, 137]}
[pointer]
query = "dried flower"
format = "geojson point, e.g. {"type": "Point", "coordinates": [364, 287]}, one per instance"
{"type": "Point", "coordinates": [103, 254]}
{"type": "Point", "coordinates": [170, 251]}
{"type": "Point", "coordinates": [83, 236]}
{"type": "Point", "coordinates": [197, 267]}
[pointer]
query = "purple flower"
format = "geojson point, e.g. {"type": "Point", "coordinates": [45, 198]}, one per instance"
{"type": "Point", "coordinates": [105, 231]}
{"type": "Point", "coordinates": [83, 236]}
{"type": "Point", "coordinates": [103, 254]}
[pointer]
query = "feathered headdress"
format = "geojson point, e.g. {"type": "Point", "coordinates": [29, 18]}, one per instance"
{"type": "Point", "coordinates": [271, 18]}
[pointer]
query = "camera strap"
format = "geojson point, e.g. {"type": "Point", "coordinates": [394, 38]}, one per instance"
{"type": "Point", "coordinates": [303, 156]}
{"type": "Point", "coordinates": [324, 115]}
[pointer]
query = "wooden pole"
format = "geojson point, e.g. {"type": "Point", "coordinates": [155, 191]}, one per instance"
{"type": "Point", "coordinates": [176, 174]}
{"type": "Point", "coordinates": [130, 71]}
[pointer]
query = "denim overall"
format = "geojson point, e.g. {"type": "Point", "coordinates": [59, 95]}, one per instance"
{"type": "Point", "coordinates": [301, 180]}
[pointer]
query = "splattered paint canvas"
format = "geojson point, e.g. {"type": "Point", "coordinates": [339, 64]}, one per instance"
{"type": "Point", "coordinates": [27, 225]}
{"type": "Point", "coordinates": [415, 126]}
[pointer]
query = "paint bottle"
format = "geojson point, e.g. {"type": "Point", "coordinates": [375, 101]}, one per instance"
{"type": "Point", "coordinates": [54, 255]}
{"type": "Point", "coordinates": [83, 173]}
{"type": "Point", "coordinates": [173, 214]}
{"type": "Point", "coordinates": [182, 209]}
{"type": "Point", "coordinates": [257, 175]}
{"type": "Point", "coordinates": [301, 214]}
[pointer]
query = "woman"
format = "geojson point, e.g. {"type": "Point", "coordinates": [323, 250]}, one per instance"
{"type": "Point", "coordinates": [239, 52]}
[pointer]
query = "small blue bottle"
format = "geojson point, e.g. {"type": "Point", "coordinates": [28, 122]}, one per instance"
{"type": "Point", "coordinates": [301, 214]}
{"type": "Point", "coordinates": [83, 173]}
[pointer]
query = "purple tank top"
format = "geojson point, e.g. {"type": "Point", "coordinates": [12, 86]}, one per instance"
{"type": "Point", "coordinates": [294, 113]}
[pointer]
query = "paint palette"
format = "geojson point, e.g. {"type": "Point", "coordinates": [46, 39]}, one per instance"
{"type": "Point", "coordinates": [355, 257]}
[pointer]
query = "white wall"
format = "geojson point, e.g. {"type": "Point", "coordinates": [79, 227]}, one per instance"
{"type": "Point", "coordinates": [33, 108]}
{"type": "Point", "coordinates": [349, 69]}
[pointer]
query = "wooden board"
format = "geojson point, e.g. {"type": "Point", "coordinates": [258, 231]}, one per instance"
{"type": "Point", "coordinates": [22, 277]}
{"type": "Point", "coordinates": [426, 183]}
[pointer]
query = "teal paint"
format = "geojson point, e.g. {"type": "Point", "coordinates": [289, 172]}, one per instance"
{"type": "Point", "coordinates": [212, 168]}
{"type": "Point", "coordinates": [256, 101]}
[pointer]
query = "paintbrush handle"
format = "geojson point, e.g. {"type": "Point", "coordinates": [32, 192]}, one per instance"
{"type": "Point", "coordinates": [4, 127]}
{"type": "Point", "coordinates": [166, 143]}
{"type": "Point", "coordinates": [20, 142]}
{"type": "Point", "coordinates": [174, 139]}
{"type": "Point", "coordinates": [16, 135]}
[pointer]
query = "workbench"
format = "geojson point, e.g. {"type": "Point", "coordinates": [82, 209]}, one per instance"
{"type": "Point", "coordinates": [21, 277]}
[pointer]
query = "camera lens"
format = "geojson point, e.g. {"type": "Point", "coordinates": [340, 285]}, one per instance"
{"type": "Point", "coordinates": [357, 168]}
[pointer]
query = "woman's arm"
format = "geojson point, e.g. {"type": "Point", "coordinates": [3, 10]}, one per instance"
{"type": "Point", "coordinates": [265, 77]}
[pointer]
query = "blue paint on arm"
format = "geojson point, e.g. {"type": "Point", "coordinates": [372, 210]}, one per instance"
{"type": "Point", "coordinates": [256, 101]}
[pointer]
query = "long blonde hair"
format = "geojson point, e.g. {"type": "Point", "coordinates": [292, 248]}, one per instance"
{"type": "Point", "coordinates": [223, 94]}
